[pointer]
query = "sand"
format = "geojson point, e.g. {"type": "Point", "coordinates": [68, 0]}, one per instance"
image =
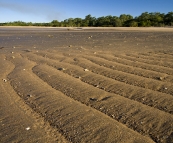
{"type": "Point", "coordinates": [86, 85]}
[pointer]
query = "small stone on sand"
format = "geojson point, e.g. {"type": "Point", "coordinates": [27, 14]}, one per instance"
{"type": "Point", "coordinates": [61, 69]}
{"type": "Point", "coordinates": [29, 95]}
{"type": "Point", "coordinates": [28, 128]}
{"type": "Point", "coordinates": [86, 70]}
{"type": "Point", "coordinates": [4, 80]}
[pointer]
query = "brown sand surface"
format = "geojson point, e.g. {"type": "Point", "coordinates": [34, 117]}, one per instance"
{"type": "Point", "coordinates": [102, 85]}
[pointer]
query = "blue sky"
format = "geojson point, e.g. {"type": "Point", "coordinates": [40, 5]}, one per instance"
{"type": "Point", "coordinates": [48, 10]}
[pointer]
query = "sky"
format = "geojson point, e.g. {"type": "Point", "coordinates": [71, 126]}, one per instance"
{"type": "Point", "coordinates": [48, 10]}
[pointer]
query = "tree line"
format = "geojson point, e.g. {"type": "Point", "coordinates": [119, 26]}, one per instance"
{"type": "Point", "coordinates": [146, 19]}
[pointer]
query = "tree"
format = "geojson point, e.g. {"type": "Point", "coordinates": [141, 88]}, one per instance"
{"type": "Point", "coordinates": [144, 16]}
{"type": "Point", "coordinates": [100, 21]}
{"type": "Point", "coordinates": [118, 22]}
{"type": "Point", "coordinates": [55, 23]}
{"type": "Point", "coordinates": [144, 19]}
{"type": "Point", "coordinates": [89, 20]}
{"type": "Point", "coordinates": [168, 18]}
{"type": "Point", "coordinates": [124, 18]}
{"type": "Point", "coordinates": [71, 22]}
{"type": "Point", "coordinates": [29, 24]}
{"type": "Point", "coordinates": [156, 18]}
{"type": "Point", "coordinates": [131, 23]}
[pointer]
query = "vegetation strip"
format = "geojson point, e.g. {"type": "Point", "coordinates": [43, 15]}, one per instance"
{"type": "Point", "coordinates": [144, 20]}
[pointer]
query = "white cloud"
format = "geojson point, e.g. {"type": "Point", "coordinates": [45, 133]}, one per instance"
{"type": "Point", "coordinates": [46, 11]}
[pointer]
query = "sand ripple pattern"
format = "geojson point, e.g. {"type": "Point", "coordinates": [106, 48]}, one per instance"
{"type": "Point", "coordinates": [75, 94]}
{"type": "Point", "coordinates": [80, 94]}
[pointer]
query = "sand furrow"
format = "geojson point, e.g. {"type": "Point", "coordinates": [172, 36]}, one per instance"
{"type": "Point", "coordinates": [165, 54]}
{"type": "Point", "coordinates": [18, 122]}
{"type": "Point", "coordinates": [156, 85]}
{"type": "Point", "coordinates": [161, 63]}
{"type": "Point", "coordinates": [66, 114]}
{"type": "Point", "coordinates": [135, 115]}
{"type": "Point", "coordinates": [128, 78]}
{"type": "Point", "coordinates": [135, 63]}
{"type": "Point", "coordinates": [160, 55]}
{"type": "Point", "coordinates": [114, 63]}
{"type": "Point", "coordinates": [152, 58]}
{"type": "Point", "coordinates": [146, 97]}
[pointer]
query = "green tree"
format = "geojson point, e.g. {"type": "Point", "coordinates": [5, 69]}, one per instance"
{"type": "Point", "coordinates": [168, 18]}
{"type": "Point", "coordinates": [89, 20]}
{"type": "Point", "coordinates": [144, 16]}
{"type": "Point", "coordinates": [156, 18]}
{"type": "Point", "coordinates": [55, 23]}
{"type": "Point", "coordinates": [131, 23]}
{"type": "Point", "coordinates": [118, 23]}
{"type": "Point", "coordinates": [144, 20]}
{"type": "Point", "coordinates": [100, 21]}
{"type": "Point", "coordinates": [124, 18]}
{"type": "Point", "coordinates": [78, 22]}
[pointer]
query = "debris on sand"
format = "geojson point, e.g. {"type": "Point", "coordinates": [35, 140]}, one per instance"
{"type": "Point", "coordinates": [28, 50]}
{"type": "Point", "coordinates": [13, 57]}
{"type": "Point", "coordinates": [90, 37]}
{"type": "Point", "coordinates": [86, 70]}
{"type": "Point", "coordinates": [92, 99]}
{"type": "Point", "coordinates": [61, 69]}
{"type": "Point", "coordinates": [78, 77]}
{"type": "Point", "coordinates": [1, 47]}
{"type": "Point", "coordinates": [70, 46]}
{"type": "Point", "coordinates": [160, 78]}
{"type": "Point", "coordinates": [50, 36]}
{"type": "Point", "coordinates": [29, 95]}
{"type": "Point", "coordinates": [102, 88]}
{"type": "Point", "coordinates": [4, 80]}
{"type": "Point", "coordinates": [12, 52]}
{"type": "Point", "coordinates": [113, 116]}
{"type": "Point", "coordinates": [28, 128]}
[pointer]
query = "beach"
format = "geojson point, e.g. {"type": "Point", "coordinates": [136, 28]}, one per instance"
{"type": "Point", "coordinates": [86, 84]}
